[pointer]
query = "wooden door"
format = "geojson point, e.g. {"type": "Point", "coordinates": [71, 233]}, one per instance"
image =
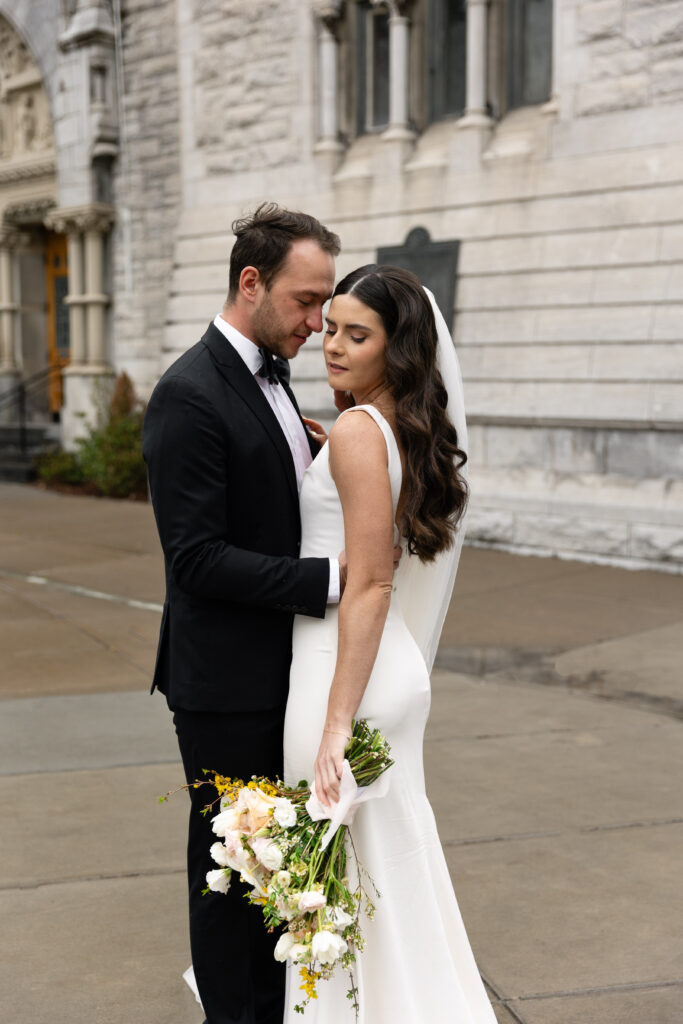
{"type": "Point", "coordinates": [57, 285]}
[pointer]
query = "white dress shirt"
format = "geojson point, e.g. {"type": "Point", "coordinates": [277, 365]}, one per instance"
{"type": "Point", "coordinates": [286, 415]}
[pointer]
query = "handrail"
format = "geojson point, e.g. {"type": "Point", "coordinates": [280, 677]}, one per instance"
{"type": "Point", "coordinates": [29, 383]}
{"type": "Point", "coordinates": [18, 393]}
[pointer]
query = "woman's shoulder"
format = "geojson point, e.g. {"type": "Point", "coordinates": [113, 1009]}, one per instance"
{"type": "Point", "coordinates": [351, 425]}
{"type": "Point", "coordinates": [354, 434]}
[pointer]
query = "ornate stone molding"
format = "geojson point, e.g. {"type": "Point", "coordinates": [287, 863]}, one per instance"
{"type": "Point", "coordinates": [90, 23]}
{"type": "Point", "coordinates": [28, 211]}
{"type": "Point", "coordinates": [23, 172]}
{"type": "Point", "coordinates": [396, 8]}
{"type": "Point", "coordinates": [12, 238]}
{"type": "Point", "coordinates": [25, 119]}
{"type": "Point", "coordinates": [329, 12]}
{"type": "Point", "coordinates": [92, 217]}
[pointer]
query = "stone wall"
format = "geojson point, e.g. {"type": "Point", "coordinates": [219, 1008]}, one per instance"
{"type": "Point", "coordinates": [633, 51]}
{"type": "Point", "coordinates": [569, 297]}
{"type": "Point", "coordinates": [147, 186]}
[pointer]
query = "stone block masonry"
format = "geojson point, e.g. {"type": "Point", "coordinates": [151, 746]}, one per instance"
{"type": "Point", "coordinates": [637, 45]}
{"type": "Point", "coordinates": [147, 186]}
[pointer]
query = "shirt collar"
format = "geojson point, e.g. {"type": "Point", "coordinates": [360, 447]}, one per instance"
{"type": "Point", "coordinates": [248, 350]}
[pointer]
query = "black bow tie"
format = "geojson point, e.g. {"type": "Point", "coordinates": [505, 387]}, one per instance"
{"type": "Point", "coordinates": [273, 368]}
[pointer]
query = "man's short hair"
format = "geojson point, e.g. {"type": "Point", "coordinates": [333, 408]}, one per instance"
{"type": "Point", "coordinates": [263, 240]}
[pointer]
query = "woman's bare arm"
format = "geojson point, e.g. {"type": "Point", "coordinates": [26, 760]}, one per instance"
{"type": "Point", "coordinates": [358, 463]}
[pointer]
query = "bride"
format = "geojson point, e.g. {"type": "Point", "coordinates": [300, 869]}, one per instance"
{"type": "Point", "coordinates": [390, 472]}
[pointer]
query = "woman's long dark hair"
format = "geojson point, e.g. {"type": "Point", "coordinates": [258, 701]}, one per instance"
{"type": "Point", "coordinates": [434, 493]}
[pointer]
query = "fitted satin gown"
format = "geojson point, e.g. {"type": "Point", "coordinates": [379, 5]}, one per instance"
{"type": "Point", "coordinates": [417, 967]}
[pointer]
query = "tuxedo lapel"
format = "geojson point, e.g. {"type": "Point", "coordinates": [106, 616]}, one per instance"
{"type": "Point", "coordinates": [312, 443]}
{"type": "Point", "coordinates": [237, 375]}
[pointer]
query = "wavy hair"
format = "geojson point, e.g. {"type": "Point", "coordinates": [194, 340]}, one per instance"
{"type": "Point", "coordinates": [434, 493]}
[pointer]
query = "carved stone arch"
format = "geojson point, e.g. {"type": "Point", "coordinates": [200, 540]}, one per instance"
{"type": "Point", "coordinates": [26, 123]}
{"type": "Point", "coordinates": [38, 26]}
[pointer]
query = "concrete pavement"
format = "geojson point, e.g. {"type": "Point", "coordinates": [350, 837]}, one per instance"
{"type": "Point", "coordinates": [554, 763]}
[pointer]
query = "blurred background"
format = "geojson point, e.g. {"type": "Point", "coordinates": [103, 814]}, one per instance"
{"type": "Point", "coordinates": [525, 157]}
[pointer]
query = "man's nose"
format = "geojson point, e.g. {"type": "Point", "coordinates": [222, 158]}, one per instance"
{"type": "Point", "coordinates": [314, 320]}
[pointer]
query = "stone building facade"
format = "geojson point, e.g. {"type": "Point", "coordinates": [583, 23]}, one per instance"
{"type": "Point", "coordinates": [544, 137]}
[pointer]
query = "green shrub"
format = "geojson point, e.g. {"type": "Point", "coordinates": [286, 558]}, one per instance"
{"type": "Point", "coordinates": [108, 459]}
{"type": "Point", "coordinates": [111, 458]}
{"type": "Point", "coordinates": [59, 467]}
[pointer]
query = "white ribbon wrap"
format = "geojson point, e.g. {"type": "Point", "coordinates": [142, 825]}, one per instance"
{"type": "Point", "coordinates": [350, 796]}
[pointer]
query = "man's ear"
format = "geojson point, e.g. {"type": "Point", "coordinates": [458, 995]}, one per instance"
{"type": "Point", "coordinates": [250, 280]}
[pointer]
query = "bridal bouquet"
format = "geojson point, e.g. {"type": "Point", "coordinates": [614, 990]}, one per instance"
{"type": "Point", "coordinates": [291, 849]}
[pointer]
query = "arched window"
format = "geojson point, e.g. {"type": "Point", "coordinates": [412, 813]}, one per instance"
{"type": "Point", "coordinates": [372, 67]}
{"type": "Point", "coordinates": [529, 52]}
{"type": "Point", "coordinates": [447, 51]}
{"type": "Point", "coordinates": [395, 66]}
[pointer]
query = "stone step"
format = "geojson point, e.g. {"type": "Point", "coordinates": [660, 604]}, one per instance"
{"type": "Point", "coordinates": [38, 437]}
{"type": "Point", "coordinates": [17, 470]}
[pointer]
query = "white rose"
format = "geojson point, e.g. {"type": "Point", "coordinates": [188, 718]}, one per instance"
{"type": "Point", "coordinates": [310, 901]}
{"type": "Point", "coordinates": [339, 918]}
{"type": "Point", "coordinates": [218, 880]}
{"type": "Point", "coordinates": [267, 852]}
{"type": "Point", "coordinates": [226, 821]}
{"type": "Point", "coordinates": [328, 947]}
{"type": "Point", "coordinates": [283, 879]}
{"type": "Point", "coordinates": [221, 855]}
{"type": "Point", "coordinates": [284, 944]}
{"type": "Point", "coordinates": [299, 951]}
{"type": "Point", "coordinates": [285, 812]}
{"type": "Point", "coordinates": [285, 908]}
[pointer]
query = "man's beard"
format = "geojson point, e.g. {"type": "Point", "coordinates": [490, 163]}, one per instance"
{"type": "Point", "coordinates": [269, 331]}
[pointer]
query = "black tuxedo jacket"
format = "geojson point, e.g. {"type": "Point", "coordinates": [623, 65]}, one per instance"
{"type": "Point", "coordinates": [225, 498]}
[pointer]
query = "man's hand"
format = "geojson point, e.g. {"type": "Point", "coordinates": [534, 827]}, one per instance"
{"type": "Point", "coordinates": [344, 568]}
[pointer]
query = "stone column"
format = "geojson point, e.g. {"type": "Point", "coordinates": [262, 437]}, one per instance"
{"type": "Point", "coordinates": [475, 103]}
{"type": "Point", "coordinates": [10, 370]}
{"type": "Point", "coordinates": [74, 299]}
{"type": "Point", "coordinates": [88, 373]}
{"type": "Point", "coordinates": [399, 75]}
{"type": "Point", "coordinates": [95, 300]}
{"type": "Point", "coordinates": [8, 361]}
{"type": "Point", "coordinates": [329, 143]}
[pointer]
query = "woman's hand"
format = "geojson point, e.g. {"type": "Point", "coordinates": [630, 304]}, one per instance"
{"type": "Point", "coordinates": [316, 430]}
{"type": "Point", "coordinates": [329, 764]}
{"type": "Point", "coordinates": [343, 400]}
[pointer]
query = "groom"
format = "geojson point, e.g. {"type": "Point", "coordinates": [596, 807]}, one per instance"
{"type": "Point", "coordinates": [226, 450]}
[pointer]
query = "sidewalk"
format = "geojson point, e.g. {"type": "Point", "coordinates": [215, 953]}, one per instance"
{"type": "Point", "coordinates": [553, 757]}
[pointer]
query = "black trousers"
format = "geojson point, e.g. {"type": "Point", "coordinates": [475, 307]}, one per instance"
{"type": "Point", "coordinates": [239, 981]}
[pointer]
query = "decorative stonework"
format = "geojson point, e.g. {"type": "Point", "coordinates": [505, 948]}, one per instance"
{"type": "Point", "coordinates": [12, 238]}
{"type": "Point", "coordinates": [91, 217]}
{"type": "Point", "coordinates": [28, 211]}
{"type": "Point", "coordinates": [25, 123]}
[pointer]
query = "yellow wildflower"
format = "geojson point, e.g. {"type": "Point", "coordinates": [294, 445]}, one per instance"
{"type": "Point", "coordinates": [310, 979]}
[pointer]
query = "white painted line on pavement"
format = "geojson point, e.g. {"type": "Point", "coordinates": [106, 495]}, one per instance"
{"type": "Point", "coordinates": [73, 588]}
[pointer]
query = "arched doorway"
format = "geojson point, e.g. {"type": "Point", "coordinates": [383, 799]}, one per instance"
{"type": "Point", "coordinates": [34, 332]}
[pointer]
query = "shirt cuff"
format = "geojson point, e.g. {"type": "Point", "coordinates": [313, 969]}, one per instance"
{"type": "Point", "coordinates": [333, 593]}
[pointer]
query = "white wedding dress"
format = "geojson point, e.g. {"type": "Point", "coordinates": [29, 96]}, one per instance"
{"type": "Point", "coordinates": [417, 967]}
